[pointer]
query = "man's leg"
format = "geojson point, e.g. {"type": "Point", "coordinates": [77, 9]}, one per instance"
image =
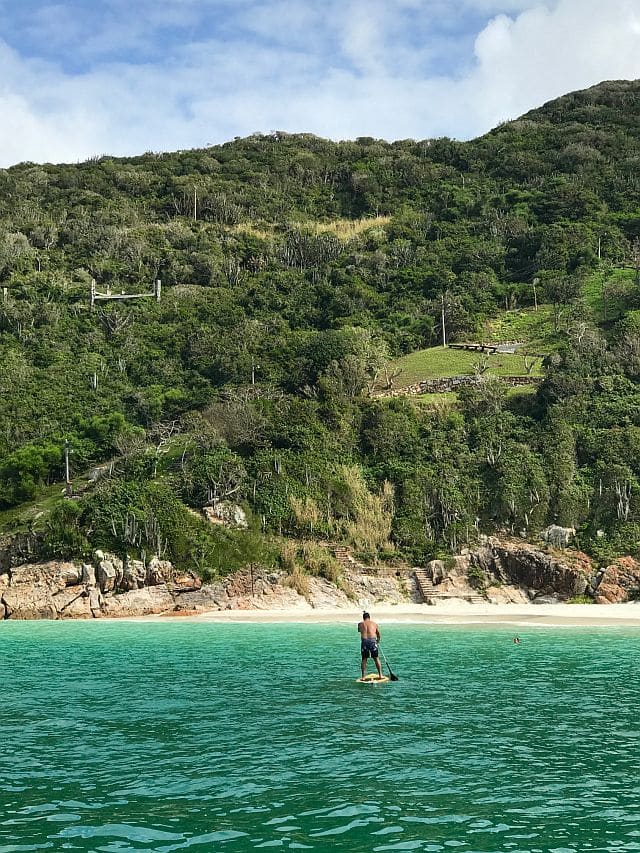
{"type": "Point", "coordinates": [364, 665]}
{"type": "Point", "coordinates": [376, 660]}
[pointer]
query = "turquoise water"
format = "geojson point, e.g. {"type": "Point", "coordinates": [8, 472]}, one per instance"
{"type": "Point", "coordinates": [203, 737]}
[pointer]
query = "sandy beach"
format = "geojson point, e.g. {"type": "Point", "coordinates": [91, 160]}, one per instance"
{"type": "Point", "coordinates": [451, 613]}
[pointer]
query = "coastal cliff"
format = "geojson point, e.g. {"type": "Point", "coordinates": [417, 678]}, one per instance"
{"type": "Point", "coordinates": [111, 588]}
{"type": "Point", "coordinates": [499, 571]}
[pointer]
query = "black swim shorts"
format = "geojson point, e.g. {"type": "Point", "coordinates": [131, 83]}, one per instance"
{"type": "Point", "coordinates": [369, 648]}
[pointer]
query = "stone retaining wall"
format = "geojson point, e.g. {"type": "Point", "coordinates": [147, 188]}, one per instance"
{"type": "Point", "coordinates": [454, 383]}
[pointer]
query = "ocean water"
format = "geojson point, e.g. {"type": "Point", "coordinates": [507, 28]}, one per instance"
{"type": "Point", "coordinates": [202, 737]}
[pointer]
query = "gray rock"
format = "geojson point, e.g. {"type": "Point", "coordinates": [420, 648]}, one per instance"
{"type": "Point", "coordinates": [226, 513]}
{"type": "Point", "coordinates": [158, 571]}
{"type": "Point", "coordinates": [558, 537]}
{"type": "Point", "coordinates": [139, 602]}
{"type": "Point", "coordinates": [106, 575]}
{"type": "Point", "coordinates": [88, 575]}
{"type": "Point", "coordinates": [71, 574]}
{"type": "Point", "coordinates": [437, 570]}
{"type": "Point", "coordinates": [133, 575]}
{"type": "Point", "coordinates": [117, 564]}
{"type": "Point", "coordinates": [538, 572]}
{"type": "Point", "coordinates": [95, 602]}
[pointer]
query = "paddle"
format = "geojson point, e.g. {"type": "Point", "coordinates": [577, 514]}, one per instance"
{"type": "Point", "coordinates": [391, 674]}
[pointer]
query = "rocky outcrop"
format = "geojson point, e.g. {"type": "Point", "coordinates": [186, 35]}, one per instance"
{"type": "Point", "coordinates": [619, 582]}
{"type": "Point", "coordinates": [541, 573]}
{"type": "Point", "coordinates": [505, 571]}
{"type": "Point", "coordinates": [107, 576]}
{"type": "Point", "coordinates": [499, 571]}
{"type": "Point", "coordinates": [558, 537]}
{"type": "Point", "coordinates": [226, 513]}
{"type": "Point", "coordinates": [116, 588]}
{"type": "Point", "coordinates": [111, 587]}
{"type": "Point", "coordinates": [44, 591]}
{"type": "Point", "coordinates": [147, 601]}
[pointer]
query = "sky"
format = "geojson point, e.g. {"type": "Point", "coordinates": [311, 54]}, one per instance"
{"type": "Point", "coordinates": [83, 78]}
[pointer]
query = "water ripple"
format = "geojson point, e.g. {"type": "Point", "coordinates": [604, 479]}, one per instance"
{"type": "Point", "coordinates": [165, 737]}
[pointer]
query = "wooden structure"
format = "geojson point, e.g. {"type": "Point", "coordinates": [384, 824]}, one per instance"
{"type": "Point", "coordinates": [155, 293]}
{"type": "Point", "coordinates": [489, 348]}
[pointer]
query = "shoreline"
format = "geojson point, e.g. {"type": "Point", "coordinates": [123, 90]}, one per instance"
{"type": "Point", "coordinates": [454, 614]}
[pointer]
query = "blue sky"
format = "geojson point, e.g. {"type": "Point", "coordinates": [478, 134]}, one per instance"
{"type": "Point", "coordinates": [81, 78]}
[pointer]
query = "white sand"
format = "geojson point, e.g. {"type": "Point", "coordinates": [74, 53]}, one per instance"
{"type": "Point", "coordinates": [449, 613]}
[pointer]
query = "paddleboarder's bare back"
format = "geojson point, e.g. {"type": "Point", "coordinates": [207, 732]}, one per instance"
{"type": "Point", "coordinates": [369, 639]}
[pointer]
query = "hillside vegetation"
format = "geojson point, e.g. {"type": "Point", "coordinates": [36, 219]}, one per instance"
{"type": "Point", "coordinates": [295, 271]}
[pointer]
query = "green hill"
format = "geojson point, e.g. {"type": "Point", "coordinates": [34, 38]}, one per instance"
{"type": "Point", "coordinates": [294, 271]}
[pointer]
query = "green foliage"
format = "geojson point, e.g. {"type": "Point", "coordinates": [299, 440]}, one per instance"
{"type": "Point", "coordinates": [65, 536]}
{"type": "Point", "coordinates": [476, 578]}
{"type": "Point", "coordinates": [147, 517]}
{"type": "Point", "coordinates": [24, 471]}
{"type": "Point", "coordinates": [313, 272]}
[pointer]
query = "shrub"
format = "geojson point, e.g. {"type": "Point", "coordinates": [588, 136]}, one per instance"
{"type": "Point", "coordinates": [319, 562]}
{"type": "Point", "coordinates": [476, 578]}
{"type": "Point", "coordinates": [299, 581]}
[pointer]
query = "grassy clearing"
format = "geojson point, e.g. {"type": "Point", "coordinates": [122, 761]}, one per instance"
{"type": "Point", "coordinates": [533, 328]}
{"type": "Point", "coordinates": [606, 294]}
{"type": "Point", "coordinates": [446, 400]}
{"type": "Point", "coordinates": [264, 232]}
{"type": "Point", "coordinates": [449, 399]}
{"type": "Point", "coordinates": [346, 229]}
{"type": "Point", "coordinates": [438, 363]}
{"type": "Point", "coordinates": [522, 391]}
{"type": "Point", "coordinates": [343, 229]}
{"type": "Point", "coordinates": [30, 516]}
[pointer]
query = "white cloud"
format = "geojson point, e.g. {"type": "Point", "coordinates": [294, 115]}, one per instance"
{"type": "Point", "coordinates": [342, 69]}
{"type": "Point", "coordinates": [543, 53]}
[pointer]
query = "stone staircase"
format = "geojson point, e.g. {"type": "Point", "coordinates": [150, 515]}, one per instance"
{"type": "Point", "coordinates": [431, 594]}
{"type": "Point", "coordinates": [342, 553]}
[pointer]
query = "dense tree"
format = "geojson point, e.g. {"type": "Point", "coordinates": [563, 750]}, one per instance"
{"type": "Point", "coordinates": [293, 270]}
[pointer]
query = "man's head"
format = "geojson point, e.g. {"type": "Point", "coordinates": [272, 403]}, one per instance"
{"type": "Point", "coordinates": [365, 615]}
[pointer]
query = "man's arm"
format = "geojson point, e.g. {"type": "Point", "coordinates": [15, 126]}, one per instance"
{"type": "Point", "coordinates": [378, 633]}
{"type": "Point", "coordinates": [360, 624]}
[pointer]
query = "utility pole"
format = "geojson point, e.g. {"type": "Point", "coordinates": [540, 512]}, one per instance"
{"type": "Point", "coordinates": [68, 488]}
{"type": "Point", "coordinates": [535, 295]}
{"type": "Point", "coordinates": [195, 204]}
{"type": "Point", "coordinates": [444, 328]}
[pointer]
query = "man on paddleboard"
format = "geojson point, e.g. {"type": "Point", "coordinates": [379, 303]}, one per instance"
{"type": "Point", "coordinates": [369, 639]}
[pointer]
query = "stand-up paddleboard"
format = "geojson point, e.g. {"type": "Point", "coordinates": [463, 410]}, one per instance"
{"type": "Point", "coordinates": [372, 678]}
